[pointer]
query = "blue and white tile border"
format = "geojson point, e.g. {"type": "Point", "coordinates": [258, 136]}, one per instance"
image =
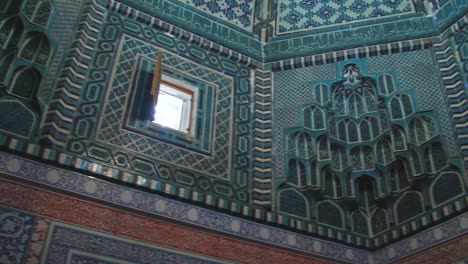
{"type": "Point", "coordinates": [66, 242]}
{"type": "Point", "coordinates": [224, 224]}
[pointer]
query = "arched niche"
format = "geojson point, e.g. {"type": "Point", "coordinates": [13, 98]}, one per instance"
{"type": "Point", "coordinates": [38, 12]}
{"type": "Point", "coordinates": [36, 48]}
{"type": "Point", "coordinates": [409, 205]}
{"type": "Point", "coordinates": [366, 191]}
{"type": "Point", "coordinates": [379, 221]}
{"type": "Point", "coordinates": [25, 82]}
{"type": "Point", "coordinates": [330, 213]}
{"type": "Point", "coordinates": [359, 223]}
{"type": "Point", "coordinates": [446, 186]}
{"type": "Point", "coordinates": [293, 202]}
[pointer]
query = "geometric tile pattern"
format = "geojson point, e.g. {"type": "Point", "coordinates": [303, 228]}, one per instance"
{"type": "Point", "coordinates": [62, 30]}
{"type": "Point", "coordinates": [240, 13]}
{"type": "Point", "coordinates": [416, 70]}
{"type": "Point", "coordinates": [71, 244]}
{"type": "Point", "coordinates": [293, 88]}
{"type": "Point", "coordinates": [455, 86]}
{"type": "Point", "coordinates": [88, 87]}
{"type": "Point", "coordinates": [310, 14]}
{"type": "Point", "coordinates": [15, 234]}
{"type": "Point", "coordinates": [262, 139]}
{"type": "Point", "coordinates": [64, 102]}
{"type": "Point", "coordinates": [110, 132]}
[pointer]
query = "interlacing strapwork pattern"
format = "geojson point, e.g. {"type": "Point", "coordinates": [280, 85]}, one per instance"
{"type": "Point", "coordinates": [361, 141]}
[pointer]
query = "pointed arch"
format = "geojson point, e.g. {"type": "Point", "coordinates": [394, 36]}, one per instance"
{"type": "Point", "coordinates": [37, 11]}
{"type": "Point", "coordinates": [379, 221]}
{"type": "Point", "coordinates": [25, 82]}
{"type": "Point", "coordinates": [342, 133]}
{"type": "Point", "coordinates": [370, 101]}
{"type": "Point", "coordinates": [365, 130]}
{"type": "Point", "coordinates": [374, 126]}
{"type": "Point", "coordinates": [446, 186]}
{"type": "Point", "coordinates": [406, 104]}
{"type": "Point", "coordinates": [421, 129]}
{"type": "Point", "coordinates": [383, 152]}
{"type": "Point", "coordinates": [11, 29]}
{"type": "Point", "coordinates": [332, 125]}
{"type": "Point", "coordinates": [359, 223]}
{"type": "Point", "coordinates": [339, 157]}
{"type": "Point", "coordinates": [293, 202]}
{"type": "Point", "coordinates": [10, 6]}
{"type": "Point", "coordinates": [383, 117]}
{"type": "Point", "coordinates": [355, 105]}
{"type": "Point", "coordinates": [5, 64]}
{"type": "Point", "coordinates": [314, 118]}
{"type": "Point", "coordinates": [329, 213]}
{"type": "Point", "coordinates": [386, 84]}
{"type": "Point", "coordinates": [296, 172]}
{"type": "Point", "coordinates": [322, 93]}
{"type": "Point", "coordinates": [300, 144]}
{"type": "Point", "coordinates": [36, 48]}
{"type": "Point", "coordinates": [362, 158]}
{"type": "Point", "coordinates": [416, 164]}
{"type": "Point", "coordinates": [399, 177]}
{"type": "Point", "coordinates": [339, 104]}
{"type": "Point", "coordinates": [398, 139]}
{"type": "Point", "coordinates": [395, 107]}
{"type": "Point", "coordinates": [409, 205]}
{"type": "Point", "coordinates": [323, 148]}
{"type": "Point", "coordinates": [352, 131]}
{"type": "Point", "coordinates": [366, 191]}
{"type": "Point", "coordinates": [435, 157]}
{"type": "Point", "coordinates": [332, 184]}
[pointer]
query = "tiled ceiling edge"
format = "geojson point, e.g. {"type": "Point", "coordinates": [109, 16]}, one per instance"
{"type": "Point", "coordinates": [340, 38]}
{"type": "Point", "coordinates": [194, 21]}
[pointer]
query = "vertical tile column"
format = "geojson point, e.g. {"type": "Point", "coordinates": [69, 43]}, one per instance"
{"type": "Point", "coordinates": [262, 160]}
{"type": "Point", "coordinates": [452, 80]}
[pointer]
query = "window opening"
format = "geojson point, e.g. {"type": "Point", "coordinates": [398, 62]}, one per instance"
{"type": "Point", "coordinates": [174, 108]}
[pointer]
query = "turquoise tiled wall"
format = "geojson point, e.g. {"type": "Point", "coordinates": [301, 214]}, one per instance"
{"type": "Point", "coordinates": [261, 73]}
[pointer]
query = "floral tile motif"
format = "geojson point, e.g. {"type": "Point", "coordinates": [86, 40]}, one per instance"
{"type": "Point", "coordinates": [15, 234]}
{"type": "Point", "coordinates": [310, 14]}
{"type": "Point", "coordinates": [70, 244]}
{"type": "Point", "coordinates": [38, 239]}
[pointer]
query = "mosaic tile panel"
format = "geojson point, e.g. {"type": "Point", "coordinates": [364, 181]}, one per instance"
{"type": "Point", "coordinates": [15, 233]}
{"type": "Point", "coordinates": [238, 12]}
{"type": "Point", "coordinates": [230, 27]}
{"type": "Point", "coordinates": [109, 130]}
{"type": "Point", "coordinates": [310, 14]}
{"type": "Point", "coordinates": [70, 244]}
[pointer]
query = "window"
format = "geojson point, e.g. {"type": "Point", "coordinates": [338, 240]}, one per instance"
{"type": "Point", "coordinates": [190, 99]}
{"type": "Point", "coordinates": [175, 109]}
